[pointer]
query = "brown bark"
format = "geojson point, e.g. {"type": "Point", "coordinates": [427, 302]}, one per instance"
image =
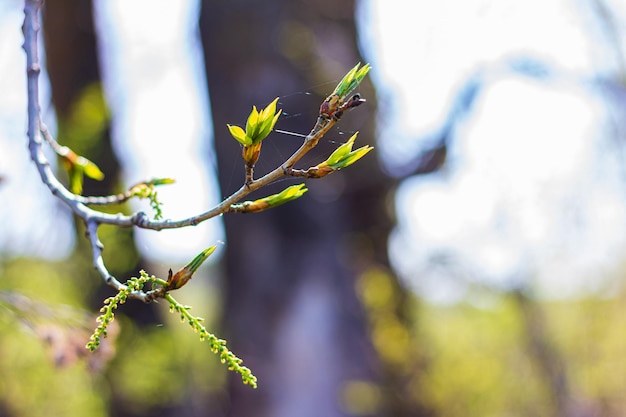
{"type": "Point", "coordinates": [291, 311]}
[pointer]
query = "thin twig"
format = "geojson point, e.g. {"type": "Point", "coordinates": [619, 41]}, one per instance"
{"type": "Point", "coordinates": [284, 170]}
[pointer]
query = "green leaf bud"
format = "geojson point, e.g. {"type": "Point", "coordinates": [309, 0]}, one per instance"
{"type": "Point", "coordinates": [288, 194]}
{"type": "Point", "coordinates": [183, 275]}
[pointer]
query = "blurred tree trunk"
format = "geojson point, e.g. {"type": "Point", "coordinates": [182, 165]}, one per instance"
{"type": "Point", "coordinates": [291, 310]}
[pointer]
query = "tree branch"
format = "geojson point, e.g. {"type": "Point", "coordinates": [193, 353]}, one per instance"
{"type": "Point", "coordinates": [79, 204]}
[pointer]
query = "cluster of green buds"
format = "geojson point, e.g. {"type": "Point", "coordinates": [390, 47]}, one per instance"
{"type": "Point", "coordinates": [338, 102]}
{"type": "Point", "coordinates": [258, 126]}
{"type": "Point", "coordinates": [146, 189]}
{"type": "Point", "coordinates": [342, 157]}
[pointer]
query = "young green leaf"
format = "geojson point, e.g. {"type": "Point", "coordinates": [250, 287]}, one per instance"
{"type": "Point", "coordinates": [183, 275]}
{"type": "Point", "coordinates": [344, 156]}
{"type": "Point", "coordinates": [239, 134]}
{"type": "Point", "coordinates": [258, 126]}
{"type": "Point", "coordinates": [351, 80]}
{"type": "Point", "coordinates": [288, 194]}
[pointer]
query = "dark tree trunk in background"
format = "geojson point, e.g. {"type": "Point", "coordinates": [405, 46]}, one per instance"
{"type": "Point", "coordinates": [73, 66]}
{"type": "Point", "coordinates": [291, 310]}
{"type": "Point", "coordinates": [71, 55]}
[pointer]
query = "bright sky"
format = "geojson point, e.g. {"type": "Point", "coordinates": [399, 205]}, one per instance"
{"type": "Point", "coordinates": [532, 191]}
{"type": "Point", "coordinates": [532, 194]}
